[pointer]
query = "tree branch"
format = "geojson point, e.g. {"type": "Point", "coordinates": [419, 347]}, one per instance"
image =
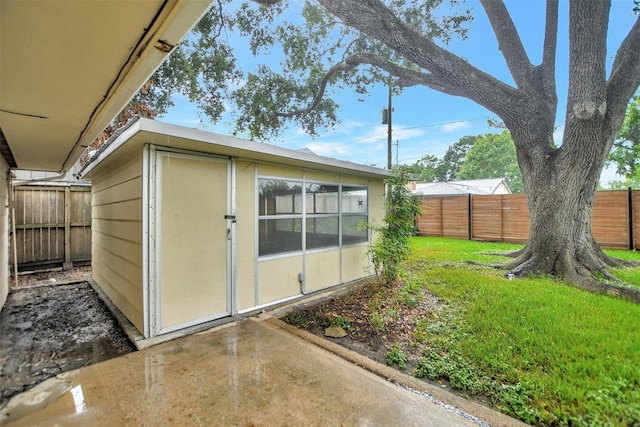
{"type": "Point", "coordinates": [625, 72]}
{"type": "Point", "coordinates": [509, 43]}
{"type": "Point", "coordinates": [322, 87]}
{"type": "Point", "coordinates": [406, 78]}
{"type": "Point", "coordinates": [547, 69]}
{"type": "Point", "coordinates": [373, 18]}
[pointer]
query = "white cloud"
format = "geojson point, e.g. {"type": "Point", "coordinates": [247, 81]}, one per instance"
{"type": "Point", "coordinates": [609, 174]}
{"type": "Point", "coordinates": [454, 126]}
{"type": "Point", "coordinates": [380, 133]}
{"type": "Point", "coordinates": [348, 126]}
{"type": "Point", "coordinates": [407, 133]}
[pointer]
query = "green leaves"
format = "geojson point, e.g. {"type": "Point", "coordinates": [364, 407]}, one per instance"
{"type": "Point", "coordinates": [473, 157]}
{"type": "Point", "coordinates": [294, 48]}
{"type": "Point", "coordinates": [625, 154]}
{"type": "Point", "coordinates": [392, 246]}
{"type": "Point", "coordinates": [493, 156]}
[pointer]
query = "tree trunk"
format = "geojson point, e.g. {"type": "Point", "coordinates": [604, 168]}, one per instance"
{"type": "Point", "coordinates": [561, 186]}
{"type": "Point", "coordinates": [560, 183]}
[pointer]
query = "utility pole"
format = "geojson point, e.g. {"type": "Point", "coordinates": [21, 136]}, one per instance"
{"type": "Point", "coordinates": [386, 119]}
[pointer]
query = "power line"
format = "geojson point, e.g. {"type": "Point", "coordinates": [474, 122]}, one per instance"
{"type": "Point", "coordinates": [448, 123]}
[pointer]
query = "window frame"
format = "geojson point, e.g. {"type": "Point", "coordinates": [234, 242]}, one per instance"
{"type": "Point", "coordinates": [304, 216]}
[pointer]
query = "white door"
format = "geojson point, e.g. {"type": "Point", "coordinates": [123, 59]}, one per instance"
{"type": "Point", "coordinates": [193, 229]}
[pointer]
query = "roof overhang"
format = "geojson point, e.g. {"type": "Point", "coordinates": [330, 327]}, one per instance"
{"type": "Point", "coordinates": [131, 139]}
{"type": "Point", "coordinates": [67, 68]}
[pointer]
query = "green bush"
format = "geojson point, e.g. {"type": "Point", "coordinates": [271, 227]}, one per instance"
{"type": "Point", "coordinates": [392, 246]}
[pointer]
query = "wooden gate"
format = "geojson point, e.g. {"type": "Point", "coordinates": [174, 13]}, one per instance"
{"type": "Point", "coordinates": [53, 226]}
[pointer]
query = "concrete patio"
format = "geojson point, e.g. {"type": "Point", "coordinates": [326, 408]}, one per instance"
{"type": "Point", "coordinates": [255, 372]}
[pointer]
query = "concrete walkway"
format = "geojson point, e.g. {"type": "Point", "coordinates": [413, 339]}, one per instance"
{"type": "Point", "coordinates": [248, 373]}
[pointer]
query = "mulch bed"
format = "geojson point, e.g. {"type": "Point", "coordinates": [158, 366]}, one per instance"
{"type": "Point", "coordinates": [362, 335]}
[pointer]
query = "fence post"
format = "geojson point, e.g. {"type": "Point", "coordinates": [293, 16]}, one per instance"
{"type": "Point", "coordinates": [502, 217]}
{"type": "Point", "coordinates": [469, 216]}
{"type": "Point", "coordinates": [441, 219]}
{"type": "Point", "coordinates": [67, 265]}
{"type": "Point", "coordinates": [630, 200]}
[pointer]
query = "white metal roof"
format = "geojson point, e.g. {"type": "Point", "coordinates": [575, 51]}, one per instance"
{"type": "Point", "coordinates": [473, 186]}
{"type": "Point", "coordinates": [146, 131]}
{"type": "Point", "coordinates": [68, 67]}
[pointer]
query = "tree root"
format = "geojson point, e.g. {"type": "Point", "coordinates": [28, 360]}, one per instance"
{"type": "Point", "coordinates": [514, 254]}
{"type": "Point", "coordinates": [587, 271]}
{"type": "Point", "coordinates": [494, 266]}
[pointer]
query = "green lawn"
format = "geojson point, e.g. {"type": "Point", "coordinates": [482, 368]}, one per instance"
{"type": "Point", "coordinates": [539, 350]}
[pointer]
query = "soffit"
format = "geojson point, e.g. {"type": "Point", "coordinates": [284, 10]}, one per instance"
{"type": "Point", "coordinates": [68, 67]}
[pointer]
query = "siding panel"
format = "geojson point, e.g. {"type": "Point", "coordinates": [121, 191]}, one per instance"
{"type": "Point", "coordinates": [117, 237]}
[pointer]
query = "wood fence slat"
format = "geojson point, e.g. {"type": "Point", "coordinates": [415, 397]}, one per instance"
{"type": "Point", "coordinates": [455, 217]}
{"type": "Point", "coordinates": [610, 219]}
{"type": "Point", "coordinates": [515, 218]}
{"type": "Point", "coordinates": [53, 225]}
{"type": "Point", "coordinates": [505, 218]}
{"type": "Point", "coordinates": [486, 217]}
{"type": "Point", "coordinates": [430, 222]}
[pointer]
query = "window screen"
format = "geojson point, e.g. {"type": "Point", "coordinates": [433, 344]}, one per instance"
{"type": "Point", "coordinates": [283, 218]}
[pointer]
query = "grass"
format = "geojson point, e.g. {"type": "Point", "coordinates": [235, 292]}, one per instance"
{"type": "Point", "coordinates": [544, 352]}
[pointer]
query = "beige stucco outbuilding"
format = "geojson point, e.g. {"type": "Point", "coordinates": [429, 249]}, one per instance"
{"type": "Point", "coordinates": [190, 227]}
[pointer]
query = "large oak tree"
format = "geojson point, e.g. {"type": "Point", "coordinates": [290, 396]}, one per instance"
{"type": "Point", "coordinates": [357, 42]}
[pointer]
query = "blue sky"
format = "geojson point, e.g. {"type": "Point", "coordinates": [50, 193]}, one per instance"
{"type": "Point", "coordinates": [425, 121]}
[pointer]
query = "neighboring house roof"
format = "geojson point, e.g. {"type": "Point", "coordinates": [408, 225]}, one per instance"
{"type": "Point", "coordinates": [69, 67]}
{"type": "Point", "coordinates": [474, 186]}
{"type": "Point", "coordinates": [145, 131]}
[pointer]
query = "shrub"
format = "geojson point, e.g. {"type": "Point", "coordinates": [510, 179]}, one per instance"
{"type": "Point", "coordinates": [392, 246]}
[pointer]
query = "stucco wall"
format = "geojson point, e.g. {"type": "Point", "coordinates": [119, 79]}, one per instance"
{"type": "Point", "coordinates": [116, 250]}
{"type": "Point", "coordinates": [4, 231]}
{"type": "Point", "coordinates": [322, 268]}
{"type": "Point", "coordinates": [278, 279]}
{"type": "Point", "coordinates": [245, 235]}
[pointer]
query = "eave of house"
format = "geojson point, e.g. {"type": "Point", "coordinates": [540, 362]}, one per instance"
{"type": "Point", "coordinates": [68, 67]}
{"type": "Point", "coordinates": [144, 131]}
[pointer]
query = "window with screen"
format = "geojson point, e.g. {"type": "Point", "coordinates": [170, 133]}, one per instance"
{"type": "Point", "coordinates": [293, 215]}
{"type": "Point", "coordinates": [279, 216]}
{"type": "Point", "coordinates": [322, 215]}
{"type": "Point", "coordinates": [355, 210]}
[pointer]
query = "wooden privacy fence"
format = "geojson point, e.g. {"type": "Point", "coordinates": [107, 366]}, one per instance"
{"type": "Point", "coordinates": [52, 226]}
{"type": "Point", "coordinates": [504, 218]}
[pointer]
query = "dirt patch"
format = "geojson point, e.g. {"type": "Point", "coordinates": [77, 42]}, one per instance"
{"type": "Point", "coordinates": [376, 318]}
{"type": "Point", "coordinates": [55, 276]}
{"type": "Point", "coordinates": [53, 323]}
